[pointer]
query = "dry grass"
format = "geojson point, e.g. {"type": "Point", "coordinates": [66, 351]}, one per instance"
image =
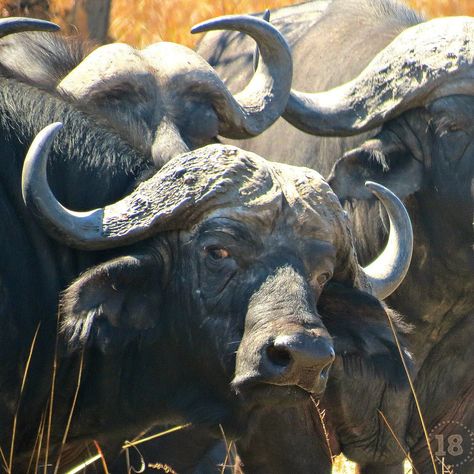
{"type": "Point", "coordinates": [146, 21]}
{"type": "Point", "coordinates": [444, 7]}
{"type": "Point", "coordinates": [142, 22]}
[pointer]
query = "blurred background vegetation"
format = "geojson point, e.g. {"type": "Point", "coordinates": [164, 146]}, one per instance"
{"type": "Point", "coordinates": [142, 22]}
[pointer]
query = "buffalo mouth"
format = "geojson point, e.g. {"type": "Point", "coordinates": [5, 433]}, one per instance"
{"type": "Point", "coordinates": [255, 390]}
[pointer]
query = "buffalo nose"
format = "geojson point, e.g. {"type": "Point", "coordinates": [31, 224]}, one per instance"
{"type": "Point", "coordinates": [299, 359]}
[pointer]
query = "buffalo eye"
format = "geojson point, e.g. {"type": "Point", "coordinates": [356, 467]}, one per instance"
{"type": "Point", "coordinates": [323, 278]}
{"type": "Point", "coordinates": [444, 125]}
{"type": "Point", "coordinates": [451, 127]}
{"type": "Point", "coordinates": [217, 253]}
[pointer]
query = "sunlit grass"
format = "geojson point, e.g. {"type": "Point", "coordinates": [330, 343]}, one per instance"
{"type": "Point", "coordinates": [142, 22]}
{"type": "Point", "coordinates": [444, 7]}
{"type": "Point", "coordinates": [146, 21]}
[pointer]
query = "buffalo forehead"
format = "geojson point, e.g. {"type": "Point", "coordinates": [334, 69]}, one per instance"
{"type": "Point", "coordinates": [171, 62]}
{"type": "Point", "coordinates": [311, 205]}
{"type": "Point", "coordinates": [162, 65]}
{"type": "Point", "coordinates": [271, 194]}
{"type": "Point", "coordinates": [193, 185]}
{"type": "Point", "coordinates": [116, 63]}
{"type": "Point", "coordinates": [224, 179]}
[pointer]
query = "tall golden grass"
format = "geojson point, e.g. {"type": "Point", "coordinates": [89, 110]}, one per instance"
{"type": "Point", "coordinates": [443, 7]}
{"type": "Point", "coordinates": [142, 22]}
{"type": "Point", "coordinates": [145, 21]}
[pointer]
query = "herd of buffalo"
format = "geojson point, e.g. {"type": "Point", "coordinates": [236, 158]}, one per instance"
{"type": "Point", "coordinates": [269, 237]}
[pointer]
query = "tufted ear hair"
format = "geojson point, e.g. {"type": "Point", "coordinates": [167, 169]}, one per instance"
{"type": "Point", "coordinates": [363, 338]}
{"type": "Point", "coordinates": [112, 303]}
{"type": "Point", "coordinates": [384, 160]}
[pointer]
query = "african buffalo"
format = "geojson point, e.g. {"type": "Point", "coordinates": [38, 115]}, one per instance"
{"type": "Point", "coordinates": [400, 110]}
{"type": "Point", "coordinates": [257, 242]}
{"type": "Point", "coordinates": [164, 99]}
{"type": "Point", "coordinates": [181, 285]}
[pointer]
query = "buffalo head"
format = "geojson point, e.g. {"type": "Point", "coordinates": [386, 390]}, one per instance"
{"type": "Point", "coordinates": [420, 90]}
{"type": "Point", "coordinates": [164, 99]}
{"type": "Point", "coordinates": [220, 259]}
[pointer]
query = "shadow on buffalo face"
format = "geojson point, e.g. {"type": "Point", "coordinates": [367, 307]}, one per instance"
{"type": "Point", "coordinates": [222, 257]}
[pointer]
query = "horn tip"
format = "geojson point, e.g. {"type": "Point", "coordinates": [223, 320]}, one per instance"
{"type": "Point", "coordinates": [196, 29]}
{"type": "Point", "coordinates": [36, 159]}
{"type": "Point", "coordinates": [33, 24]}
{"type": "Point", "coordinates": [375, 187]}
{"type": "Point", "coordinates": [225, 22]}
{"type": "Point", "coordinates": [208, 25]}
{"type": "Point", "coordinates": [49, 25]}
{"type": "Point", "coordinates": [379, 190]}
{"type": "Point", "coordinates": [53, 127]}
{"type": "Point", "coordinates": [46, 135]}
{"type": "Point", "coordinates": [212, 24]}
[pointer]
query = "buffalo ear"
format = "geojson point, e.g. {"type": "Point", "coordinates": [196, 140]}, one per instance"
{"type": "Point", "coordinates": [382, 160]}
{"type": "Point", "coordinates": [112, 303]}
{"type": "Point", "coordinates": [363, 338]}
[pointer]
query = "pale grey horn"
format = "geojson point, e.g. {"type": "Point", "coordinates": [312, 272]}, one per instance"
{"type": "Point", "coordinates": [256, 54]}
{"type": "Point", "coordinates": [425, 62]}
{"type": "Point", "coordinates": [38, 197]}
{"type": "Point", "coordinates": [176, 196]}
{"type": "Point", "coordinates": [19, 24]}
{"type": "Point", "coordinates": [254, 109]}
{"type": "Point", "coordinates": [388, 270]}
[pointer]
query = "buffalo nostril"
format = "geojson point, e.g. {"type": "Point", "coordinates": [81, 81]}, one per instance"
{"type": "Point", "coordinates": [278, 355]}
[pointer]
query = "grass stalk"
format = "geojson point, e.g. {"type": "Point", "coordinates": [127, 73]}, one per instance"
{"type": "Point", "coordinates": [102, 457]}
{"type": "Point", "coordinates": [40, 443]}
{"type": "Point", "coordinates": [322, 415]}
{"type": "Point", "coordinates": [23, 382]}
{"type": "Point", "coordinates": [71, 413]}
{"type": "Point", "coordinates": [51, 398]}
{"type": "Point", "coordinates": [417, 402]}
{"type": "Point", "coordinates": [4, 460]}
{"type": "Point", "coordinates": [129, 444]}
{"type": "Point", "coordinates": [228, 447]}
{"type": "Point", "coordinates": [395, 437]}
{"type": "Point", "coordinates": [37, 445]}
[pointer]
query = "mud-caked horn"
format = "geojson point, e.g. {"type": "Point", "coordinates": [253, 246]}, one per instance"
{"type": "Point", "coordinates": [175, 197]}
{"type": "Point", "coordinates": [427, 61]}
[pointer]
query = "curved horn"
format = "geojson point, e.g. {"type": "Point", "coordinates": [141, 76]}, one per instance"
{"type": "Point", "coordinates": [388, 270]}
{"type": "Point", "coordinates": [256, 55]}
{"type": "Point", "coordinates": [174, 197]}
{"type": "Point", "coordinates": [40, 200]}
{"type": "Point", "coordinates": [255, 108]}
{"type": "Point", "coordinates": [19, 24]}
{"type": "Point", "coordinates": [427, 61]}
